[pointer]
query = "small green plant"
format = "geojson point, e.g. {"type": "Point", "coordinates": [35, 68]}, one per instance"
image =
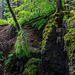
{"type": "Point", "coordinates": [3, 21]}
{"type": "Point", "coordinates": [32, 67]}
{"type": "Point", "coordinates": [71, 29]}
{"type": "Point", "coordinates": [7, 62]}
{"type": "Point", "coordinates": [1, 53]}
{"type": "Point", "coordinates": [1, 56]}
{"type": "Point", "coordinates": [40, 43]}
{"type": "Point", "coordinates": [0, 65]}
{"type": "Point", "coordinates": [21, 46]}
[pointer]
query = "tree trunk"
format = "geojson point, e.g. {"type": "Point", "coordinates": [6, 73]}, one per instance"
{"type": "Point", "coordinates": [58, 5]}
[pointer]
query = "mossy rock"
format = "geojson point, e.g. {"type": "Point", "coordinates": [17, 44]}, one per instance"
{"type": "Point", "coordinates": [54, 58]}
{"type": "Point", "coordinates": [70, 44]}
{"type": "Point", "coordinates": [32, 67]}
{"type": "Point", "coordinates": [31, 70]}
{"type": "Point", "coordinates": [70, 48]}
{"type": "Point", "coordinates": [47, 30]}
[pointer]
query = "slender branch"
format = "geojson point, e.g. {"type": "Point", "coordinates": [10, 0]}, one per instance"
{"type": "Point", "coordinates": [14, 17]}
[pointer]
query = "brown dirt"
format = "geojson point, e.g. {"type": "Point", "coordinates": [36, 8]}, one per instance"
{"type": "Point", "coordinates": [8, 39]}
{"type": "Point", "coordinates": [32, 37]}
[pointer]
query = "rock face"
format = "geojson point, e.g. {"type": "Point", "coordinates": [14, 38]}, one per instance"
{"type": "Point", "coordinates": [54, 58]}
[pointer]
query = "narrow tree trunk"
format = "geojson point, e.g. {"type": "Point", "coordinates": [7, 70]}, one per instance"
{"type": "Point", "coordinates": [14, 17]}
{"type": "Point", "coordinates": [58, 5]}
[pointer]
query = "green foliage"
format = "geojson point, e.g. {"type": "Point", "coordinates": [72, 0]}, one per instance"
{"type": "Point", "coordinates": [21, 46]}
{"type": "Point", "coordinates": [3, 21]}
{"type": "Point", "coordinates": [73, 73]}
{"type": "Point", "coordinates": [10, 55]}
{"type": "Point", "coordinates": [31, 9]}
{"type": "Point", "coordinates": [70, 42]}
{"type": "Point", "coordinates": [0, 65]}
{"type": "Point", "coordinates": [33, 61]}
{"type": "Point", "coordinates": [1, 52]}
{"type": "Point", "coordinates": [51, 25]}
{"type": "Point", "coordinates": [69, 37]}
{"type": "Point", "coordinates": [40, 43]}
{"type": "Point", "coordinates": [71, 29]}
{"type": "Point", "coordinates": [1, 57]}
{"type": "Point", "coordinates": [31, 68]}
{"type": "Point", "coordinates": [69, 18]}
{"type": "Point", "coordinates": [40, 23]}
{"type": "Point", "coordinates": [10, 21]}
{"type": "Point", "coordinates": [7, 62]}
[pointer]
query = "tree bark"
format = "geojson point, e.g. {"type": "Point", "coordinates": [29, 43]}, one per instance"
{"type": "Point", "coordinates": [58, 5]}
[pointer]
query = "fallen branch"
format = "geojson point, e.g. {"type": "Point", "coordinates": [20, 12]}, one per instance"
{"type": "Point", "coordinates": [4, 25]}
{"type": "Point", "coordinates": [37, 18]}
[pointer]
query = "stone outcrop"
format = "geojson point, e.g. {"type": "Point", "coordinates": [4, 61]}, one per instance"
{"type": "Point", "coordinates": [70, 47]}
{"type": "Point", "coordinates": [54, 57]}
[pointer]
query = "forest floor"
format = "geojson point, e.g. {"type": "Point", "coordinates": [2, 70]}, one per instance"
{"type": "Point", "coordinates": [7, 41]}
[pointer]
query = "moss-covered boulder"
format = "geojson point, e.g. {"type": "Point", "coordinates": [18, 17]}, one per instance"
{"type": "Point", "coordinates": [70, 48]}
{"type": "Point", "coordinates": [32, 67]}
{"type": "Point", "coordinates": [54, 58]}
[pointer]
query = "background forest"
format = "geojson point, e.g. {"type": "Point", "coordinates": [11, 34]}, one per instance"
{"type": "Point", "coordinates": [37, 37]}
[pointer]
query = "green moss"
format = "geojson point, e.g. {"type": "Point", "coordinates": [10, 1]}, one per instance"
{"type": "Point", "coordinates": [70, 44]}
{"type": "Point", "coordinates": [73, 73]}
{"type": "Point", "coordinates": [31, 68]}
{"type": "Point", "coordinates": [33, 61]}
{"type": "Point", "coordinates": [47, 30]}
{"type": "Point", "coordinates": [71, 51]}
